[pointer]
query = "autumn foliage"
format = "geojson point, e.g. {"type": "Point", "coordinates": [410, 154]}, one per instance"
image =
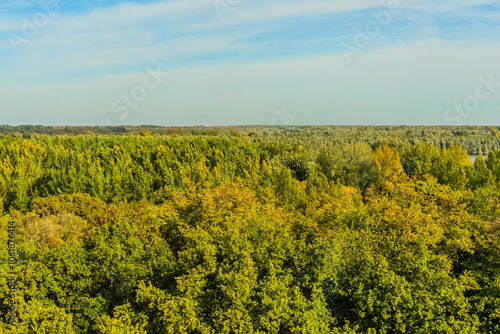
{"type": "Point", "coordinates": [174, 234]}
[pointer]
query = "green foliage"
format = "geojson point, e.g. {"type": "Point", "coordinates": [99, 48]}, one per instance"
{"type": "Point", "coordinates": [258, 231]}
{"type": "Point", "coordinates": [350, 164]}
{"type": "Point", "coordinates": [479, 175]}
{"type": "Point", "coordinates": [421, 160]}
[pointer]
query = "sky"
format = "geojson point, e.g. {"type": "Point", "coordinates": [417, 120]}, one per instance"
{"type": "Point", "coordinates": [250, 62]}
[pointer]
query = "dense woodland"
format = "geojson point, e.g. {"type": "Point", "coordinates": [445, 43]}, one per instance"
{"type": "Point", "coordinates": [252, 230]}
{"type": "Point", "coordinates": [476, 140]}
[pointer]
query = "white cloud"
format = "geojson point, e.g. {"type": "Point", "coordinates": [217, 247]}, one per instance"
{"type": "Point", "coordinates": [409, 83]}
{"type": "Point", "coordinates": [86, 60]}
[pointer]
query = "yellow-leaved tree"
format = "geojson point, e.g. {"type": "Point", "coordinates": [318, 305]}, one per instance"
{"type": "Point", "coordinates": [388, 168]}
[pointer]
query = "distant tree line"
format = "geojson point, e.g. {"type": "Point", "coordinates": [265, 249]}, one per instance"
{"type": "Point", "coordinates": [477, 140]}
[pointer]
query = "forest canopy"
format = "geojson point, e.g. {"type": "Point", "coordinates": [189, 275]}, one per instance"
{"type": "Point", "coordinates": [476, 140]}
{"type": "Point", "coordinates": [251, 230]}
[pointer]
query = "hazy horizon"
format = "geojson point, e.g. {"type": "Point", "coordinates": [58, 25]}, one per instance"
{"type": "Point", "coordinates": [205, 62]}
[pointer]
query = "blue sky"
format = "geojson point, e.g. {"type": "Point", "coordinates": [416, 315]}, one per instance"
{"type": "Point", "coordinates": [206, 62]}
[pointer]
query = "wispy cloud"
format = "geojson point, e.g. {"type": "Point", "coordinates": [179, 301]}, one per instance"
{"type": "Point", "coordinates": [97, 48]}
